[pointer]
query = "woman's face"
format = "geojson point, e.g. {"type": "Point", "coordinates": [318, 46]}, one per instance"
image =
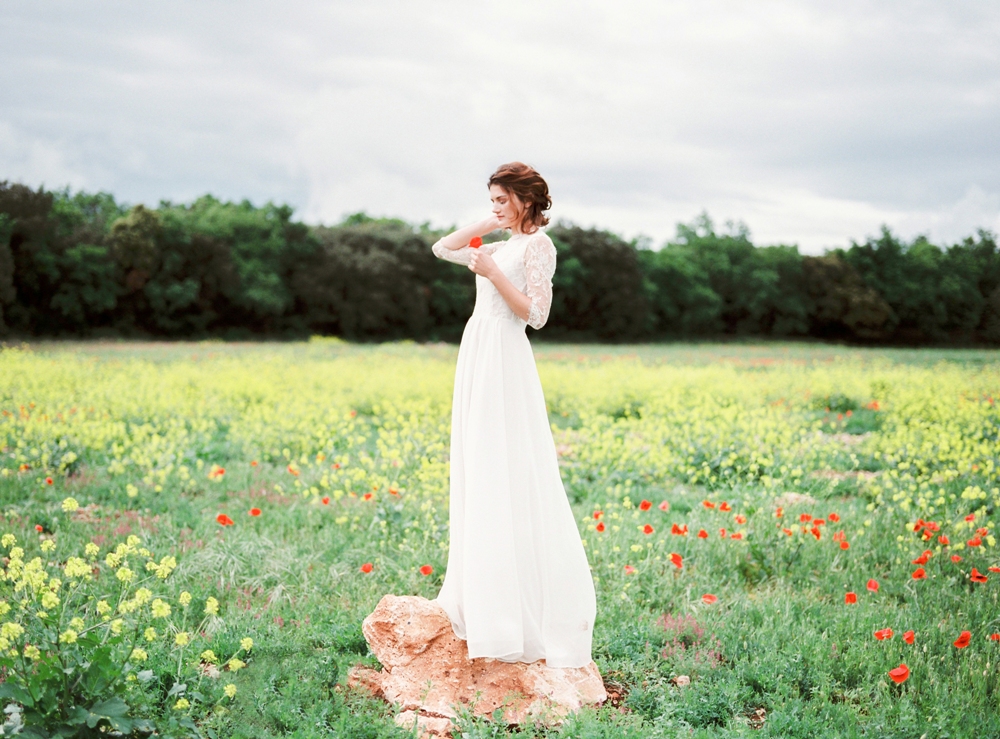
{"type": "Point", "coordinates": [507, 207]}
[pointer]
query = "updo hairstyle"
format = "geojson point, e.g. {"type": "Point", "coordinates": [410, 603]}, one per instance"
{"type": "Point", "coordinates": [523, 181]}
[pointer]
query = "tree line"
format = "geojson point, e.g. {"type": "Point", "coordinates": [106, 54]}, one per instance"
{"type": "Point", "coordinates": [74, 264]}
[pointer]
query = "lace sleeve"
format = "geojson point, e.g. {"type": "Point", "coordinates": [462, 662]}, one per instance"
{"type": "Point", "coordinates": [539, 266]}
{"type": "Point", "coordinates": [461, 255]}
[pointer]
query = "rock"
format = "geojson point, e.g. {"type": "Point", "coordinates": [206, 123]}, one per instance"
{"type": "Point", "coordinates": [427, 673]}
{"type": "Point", "coordinates": [681, 681]}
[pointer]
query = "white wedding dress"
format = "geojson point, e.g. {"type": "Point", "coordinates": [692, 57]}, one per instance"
{"type": "Point", "coordinates": [518, 586]}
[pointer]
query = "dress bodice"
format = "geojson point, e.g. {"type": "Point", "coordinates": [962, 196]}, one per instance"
{"type": "Point", "coordinates": [527, 260]}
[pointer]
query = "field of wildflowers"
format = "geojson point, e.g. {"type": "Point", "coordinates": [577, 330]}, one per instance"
{"type": "Point", "coordinates": [787, 540]}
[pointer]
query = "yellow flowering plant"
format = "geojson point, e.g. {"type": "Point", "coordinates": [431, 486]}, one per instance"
{"type": "Point", "coordinates": [81, 638]}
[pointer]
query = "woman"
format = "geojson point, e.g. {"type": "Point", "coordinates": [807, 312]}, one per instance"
{"type": "Point", "coordinates": [518, 586]}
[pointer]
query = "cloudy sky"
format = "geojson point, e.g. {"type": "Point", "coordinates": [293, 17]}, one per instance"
{"type": "Point", "coordinates": [813, 122]}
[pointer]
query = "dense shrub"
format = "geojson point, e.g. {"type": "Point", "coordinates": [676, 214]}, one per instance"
{"type": "Point", "coordinates": [77, 264]}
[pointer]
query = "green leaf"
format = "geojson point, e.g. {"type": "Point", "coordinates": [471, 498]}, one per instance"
{"type": "Point", "coordinates": [16, 693]}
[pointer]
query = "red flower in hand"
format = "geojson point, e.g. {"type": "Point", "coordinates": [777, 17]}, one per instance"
{"type": "Point", "coordinates": [900, 674]}
{"type": "Point", "coordinates": [476, 242]}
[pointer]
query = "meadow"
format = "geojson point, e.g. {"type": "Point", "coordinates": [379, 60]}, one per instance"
{"type": "Point", "coordinates": [193, 533]}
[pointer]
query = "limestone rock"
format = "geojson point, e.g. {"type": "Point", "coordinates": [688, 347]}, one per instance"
{"type": "Point", "coordinates": [427, 673]}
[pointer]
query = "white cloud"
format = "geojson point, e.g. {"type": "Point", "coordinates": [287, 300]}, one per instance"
{"type": "Point", "coordinates": [812, 122]}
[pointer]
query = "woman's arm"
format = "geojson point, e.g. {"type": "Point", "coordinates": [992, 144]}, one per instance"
{"type": "Point", "coordinates": [540, 265]}
{"type": "Point", "coordinates": [462, 237]}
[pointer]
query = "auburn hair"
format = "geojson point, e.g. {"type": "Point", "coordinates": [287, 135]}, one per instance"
{"type": "Point", "coordinates": [524, 181]}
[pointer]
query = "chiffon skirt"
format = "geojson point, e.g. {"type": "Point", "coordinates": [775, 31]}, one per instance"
{"type": "Point", "coordinates": [518, 586]}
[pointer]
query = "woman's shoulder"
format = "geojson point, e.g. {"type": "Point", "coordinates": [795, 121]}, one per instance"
{"type": "Point", "coordinates": [539, 238]}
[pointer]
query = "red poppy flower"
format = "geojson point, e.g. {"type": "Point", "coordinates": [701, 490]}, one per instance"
{"type": "Point", "coordinates": [39, 528]}
{"type": "Point", "coordinates": [367, 496]}
{"type": "Point", "coordinates": [645, 505]}
{"type": "Point", "coordinates": [788, 532]}
{"type": "Point", "coordinates": [971, 517]}
{"type": "Point", "coordinates": [839, 536]}
{"type": "Point", "coordinates": [224, 520]}
{"type": "Point", "coordinates": [48, 480]}
{"type": "Point", "coordinates": [255, 511]}
{"type": "Point", "coordinates": [850, 598]}
{"type": "Point", "coordinates": [944, 540]}
{"type": "Point", "coordinates": [872, 585]}
{"type": "Point", "coordinates": [426, 570]}
{"type": "Point", "coordinates": [702, 534]}
{"type": "Point", "coordinates": [834, 517]}
{"type": "Point", "coordinates": [883, 634]}
{"type": "Point", "coordinates": [722, 533]}
{"type": "Point", "coordinates": [708, 504]}
{"type": "Point", "coordinates": [815, 532]}
{"type": "Point", "coordinates": [982, 531]}
{"type": "Point", "coordinates": [677, 560]}
{"type": "Point", "coordinates": [629, 569]}
{"type": "Point", "coordinates": [366, 567]}
{"type": "Point", "coordinates": [708, 599]}
{"type": "Point", "coordinates": [819, 522]}
{"type": "Point", "coordinates": [664, 506]}
{"type": "Point", "coordinates": [955, 558]}
{"type": "Point", "coordinates": [254, 463]}
{"type": "Point", "coordinates": [993, 568]}
{"type": "Point", "coordinates": [994, 637]}
{"type": "Point", "coordinates": [805, 518]}
{"type": "Point", "coordinates": [908, 637]}
{"type": "Point", "coordinates": [598, 514]}
{"type": "Point", "coordinates": [779, 513]}
{"type": "Point", "coordinates": [922, 559]}
{"type": "Point", "coordinates": [476, 242]}
{"type": "Point", "coordinates": [679, 530]}
{"type": "Point", "coordinates": [975, 541]}
{"type": "Point", "coordinates": [724, 506]}
{"type": "Point", "coordinates": [393, 491]}
{"type": "Point", "coordinates": [335, 466]}
{"type": "Point", "coordinates": [600, 527]}
{"type": "Point", "coordinates": [736, 535]}
{"type": "Point", "coordinates": [963, 640]}
{"type": "Point", "coordinates": [648, 529]}
{"type": "Point", "coordinates": [844, 545]}
{"type": "Point", "coordinates": [326, 500]}
{"type": "Point", "coordinates": [900, 674]}
{"type": "Point", "coordinates": [292, 470]}
{"type": "Point", "coordinates": [919, 574]}
{"type": "Point", "coordinates": [978, 576]}
{"type": "Point", "coordinates": [740, 518]}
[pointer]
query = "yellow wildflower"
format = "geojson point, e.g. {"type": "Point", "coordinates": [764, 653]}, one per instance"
{"type": "Point", "coordinates": [246, 643]}
{"type": "Point", "coordinates": [150, 633]}
{"type": "Point", "coordinates": [70, 504]}
{"type": "Point", "coordinates": [143, 596]}
{"type": "Point", "coordinates": [209, 656]}
{"type": "Point", "coordinates": [160, 608]}
{"type": "Point", "coordinates": [77, 624]}
{"type": "Point", "coordinates": [103, 609]}
{"type": "Point", "coordinates": [68, 637]}
{"type": "Point", "coordinates": [185, 598]}
{"type": "Point", "coordinates": [49, 600]}
{"type": "Point", "coordinates": [48, 545]}
{"type": "Point", "coordinates": [230, 690]}
{"type": "Point", "coordinates": [91, 550]}
{"type": "Point", "coordinates": [77, 568]}
{"type": "Point", "coordinates": [125, 574]}
{"type": "Point", "coordinates": [138, 655]}
{"type": "Point", "coordinates": [236, 664]}
{"type": "Point", "coordinates": [8, 541]}
{"type": "Point", "coordinates": [211, 607]}
{"type": "Point", "coordinates": [116, 626]}
{"type": "Point", "coordinates": [181, 704]}
{"type": "Point", "coordinates": [182, 638]}
{"type": "Point", "coordinates": [32, 652]}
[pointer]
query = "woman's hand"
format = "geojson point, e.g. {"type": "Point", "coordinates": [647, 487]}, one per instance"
{"type": "Point", "coordinates": [483, 264]}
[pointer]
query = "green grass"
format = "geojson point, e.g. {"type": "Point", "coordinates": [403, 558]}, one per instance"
{"type": "Point", "coordinates": [740, 423]}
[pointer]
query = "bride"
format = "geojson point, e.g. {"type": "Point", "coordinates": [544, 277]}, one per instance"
{"type": "Point", "coordinates": [518, 586]}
